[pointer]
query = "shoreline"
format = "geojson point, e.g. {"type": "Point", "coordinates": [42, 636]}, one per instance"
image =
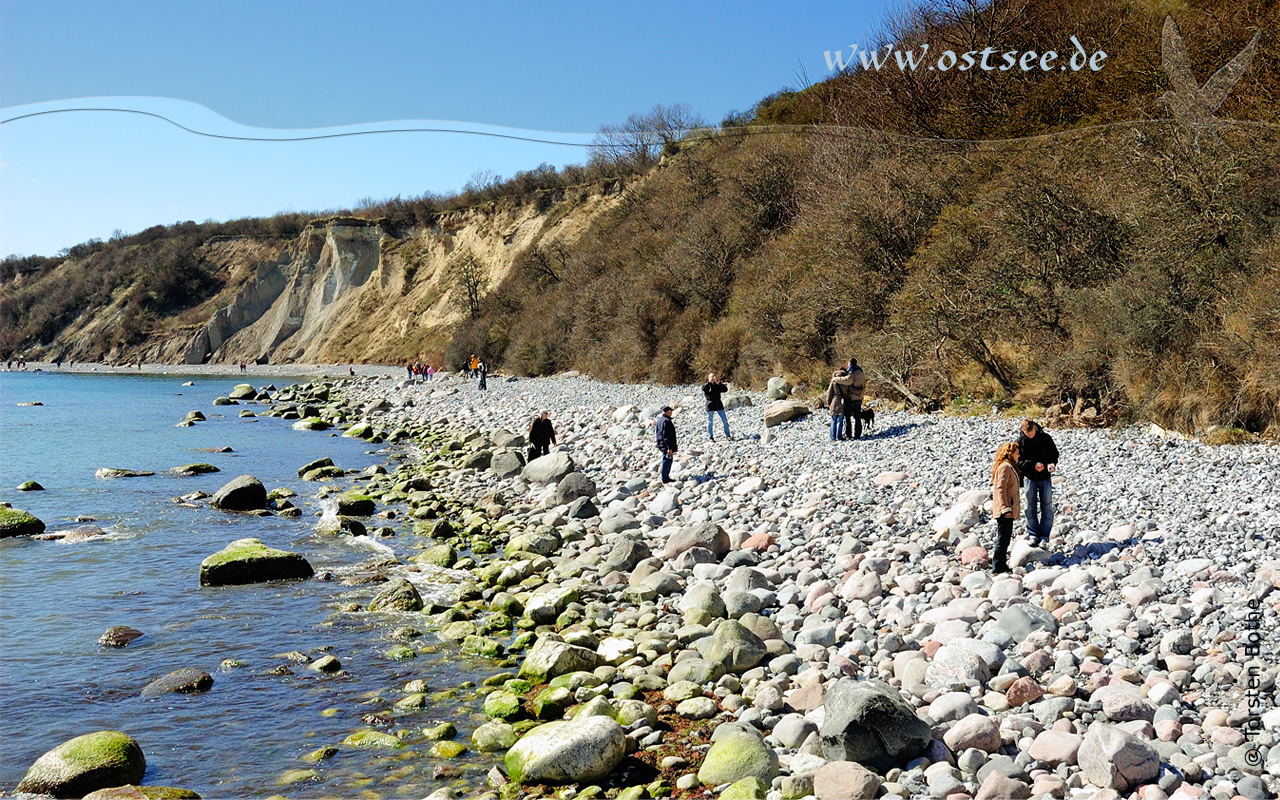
{"type": "Point", "coordinates": [781, 577]}
{"type": "Point", "coordinates": [333, 371]}
{"type": "Point", "coordinates": [763, 540]}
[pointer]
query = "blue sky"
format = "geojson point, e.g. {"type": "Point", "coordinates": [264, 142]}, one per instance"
{"type": "Point", "coordinates": [283, 69]}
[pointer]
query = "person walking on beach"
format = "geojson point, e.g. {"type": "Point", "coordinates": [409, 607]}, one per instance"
{"type": "Point", "coordinates": [712, 390]}
{"type": "Point", "coordinates": [666, 442]}
{"type": "Point", "coordinates": [1004, 501]}
{"type": "Point", "coordinates": [472, 364]}
{"type": "Point", "coordinates": [834, 400]}
{"type": "Point", "coordinates": [542, 434]}
{"type": "Point", "coordinates": [483, 370]}
{"type": "Point", "coordinates": [430, 371]}
{"type": "Point", "coordinates": [1037, 463]}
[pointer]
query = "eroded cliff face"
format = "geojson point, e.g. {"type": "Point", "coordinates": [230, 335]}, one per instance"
{"type": "Point", "coordinates": [350, 290]}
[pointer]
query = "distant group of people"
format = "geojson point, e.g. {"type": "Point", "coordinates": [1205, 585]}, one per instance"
{"type": "Point", "coordinates": [1031, 461]}
{"type": "Point", "coordinates": [843, 400]}
{"type": "Point", "coordinates": [418, 372]}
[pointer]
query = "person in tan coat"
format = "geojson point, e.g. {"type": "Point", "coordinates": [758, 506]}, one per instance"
{"type": "Point", "coordinates": [1005, 506]}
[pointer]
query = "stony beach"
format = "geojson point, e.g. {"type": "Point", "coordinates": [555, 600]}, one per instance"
{"type": "Point", "coordinates": [793, 617]}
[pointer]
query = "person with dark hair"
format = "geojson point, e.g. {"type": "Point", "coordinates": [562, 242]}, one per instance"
{"type": "Point", "coordinates": [1037, 463]}
{"type": "Point", "coordinates": [712, 390]}
{"type": "Point", "coordinates": [666, 442]}
{"type": "Point", "coordinates": [483, 370]}
{"type": "Point", "coordinates": [1004, 501]}
{"type": "Point", "coordinates": [542, 434]}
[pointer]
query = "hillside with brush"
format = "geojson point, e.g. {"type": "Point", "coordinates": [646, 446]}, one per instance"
{"type": "Point", "coordinates": [1038, 239]}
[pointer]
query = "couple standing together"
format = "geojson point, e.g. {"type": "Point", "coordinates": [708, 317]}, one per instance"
{"type": "Point", "coordinates": [844, 400]}
{"type": "Point", "coordinates": [1034, 459]}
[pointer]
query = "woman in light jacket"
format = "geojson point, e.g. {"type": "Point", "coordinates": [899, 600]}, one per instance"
{"type": "Point", "coordinates": [1004, 501]}
{"type": "Point", "coordinates": [834, 401]}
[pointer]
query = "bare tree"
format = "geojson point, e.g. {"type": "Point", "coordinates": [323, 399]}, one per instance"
{"type": "Point", "coordinates": [643, 138]}
{"type": "Point", "coordinates": [470, 279]}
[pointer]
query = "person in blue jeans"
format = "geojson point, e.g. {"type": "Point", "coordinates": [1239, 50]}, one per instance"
{"type": "Point", "coordinates": [1037, 461]}
{"type": "Point", "coordinates": [712, 390]}
{"type": "Point", "coordinates": [666, 442]}
{"type": "Point", "coordinates": [835, 400]}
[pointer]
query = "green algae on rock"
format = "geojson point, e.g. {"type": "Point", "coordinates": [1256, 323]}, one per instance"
{"type": "Point", "coordinates": [98, 760]}
{"type": "Point", "coordinates": [14, 522]}
{"type": "Point", "coordinates": [250, 561]}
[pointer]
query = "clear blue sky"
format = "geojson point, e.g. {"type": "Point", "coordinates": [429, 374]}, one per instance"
{"type": "Point", "coordinates": [231, 67]}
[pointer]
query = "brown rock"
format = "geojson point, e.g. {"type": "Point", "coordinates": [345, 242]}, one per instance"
{"type": "Point", "coordinates": [998, 786]}
{"type": "Point", "coordinates": [1023, 690]}
{"type": "Point", "coordinates": [845, 780]}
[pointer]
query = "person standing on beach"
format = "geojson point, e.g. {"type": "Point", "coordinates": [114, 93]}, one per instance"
{"type": "Point", "coordinates": [712, 390]}
{"type": "Point", "coordinates": [542, 434]}
{"type": "Point", "coordinates": [834, 400]}
{"type": "Point", "coordinates": [483, 369]}
{"type": "Point", "coordinates": [1037, 463]}
{"type": "Point", "coordinates": [666, 442]}
{"type": "Point", "coordinates": [1004, 501]}
{"type": "Point", "coordinates": [855, 381]}
{"type": "Point", "coordinates": [430, 371]}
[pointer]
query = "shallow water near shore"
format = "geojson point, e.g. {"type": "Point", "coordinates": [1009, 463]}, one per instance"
{"type": "Point", "coordinates": [56, 599]}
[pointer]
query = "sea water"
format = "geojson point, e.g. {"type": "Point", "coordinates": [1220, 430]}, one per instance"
{"type": "Point", "coordinates": [244, 736]}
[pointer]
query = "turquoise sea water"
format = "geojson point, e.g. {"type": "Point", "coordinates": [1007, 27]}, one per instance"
{"type": "Point", "coordinates": [56, 599]}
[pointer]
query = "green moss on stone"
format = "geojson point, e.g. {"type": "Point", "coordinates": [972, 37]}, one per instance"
{"type": "Point", "coordinates": [14, 522]}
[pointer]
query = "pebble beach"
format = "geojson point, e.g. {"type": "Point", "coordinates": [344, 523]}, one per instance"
{"type": "Point", "coordinates": [793, 617]}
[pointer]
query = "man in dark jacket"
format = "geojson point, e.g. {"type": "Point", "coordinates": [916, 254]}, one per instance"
{"type": "Point", "coordinates": [666, 442]}
{"type": "Point", "coordinates": [712, 390]}
{"type": "Point", "coordinates": [1037, 461]}
{"type": "Point", "coordinates": [542, 434]}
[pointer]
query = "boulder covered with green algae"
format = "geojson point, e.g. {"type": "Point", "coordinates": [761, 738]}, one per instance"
{"type": "Point", "coordinates": [250, 561]}
{"type": "Point", "coordinates": [18, 523]}
{"type": "Point", "coordinates": [85, 764]}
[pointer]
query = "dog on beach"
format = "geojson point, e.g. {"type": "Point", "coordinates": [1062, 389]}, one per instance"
{"type": "Point", "coordinates": [868, 416]}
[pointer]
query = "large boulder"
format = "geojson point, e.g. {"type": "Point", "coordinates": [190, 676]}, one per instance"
{"type": "Point", "coordinates": [187, 680]}
{"type": "Point", "coordinates": [506, 463]}
{"type": "Point", "coordinates": [108, 473]}
{"type": "Point", "coordinates": [317, 464]}
{"type": "Point", "coordinates": [399, 595]}
{"type": "Point", "coordinates": [551, 658]}
{"type": "Point", "coordinates": [704, 534]}
{"type": "Point", "coordinates": [576, 751]}
{"type": "Point", "coordinates": [18, 523]}
{"type": "Point", "coordinates": [548, 469]}
{"type": "Point", "coordinates": [573, 486]}
{"type": "Point", "coordinates": [845, 780]}
{"type": "Point", "coordinates": [734, 646]}
{"type": "Point", "coordinates": [84, 764]}
{"type": "Point", "coordinates": [245, 493]}
{"type": "Point", "coordinates": [354, 504]}
{"type": "Point", "coordinates": [868, 722]}
{"type": "Point", "coordinates": [1112, 758]}
{"type": "Point", "coordinates": [250, 561]}
{"type": "Point", "coordinates": [777, 388]}
{"type": "Point", "coordinates": [780, 411]}
{"type": "Point", "coordinates": [1021, 620]}
{"type": "Point", "coordinates": [625, 555]}
{"type": "Point", "coordinates": [736, 754]}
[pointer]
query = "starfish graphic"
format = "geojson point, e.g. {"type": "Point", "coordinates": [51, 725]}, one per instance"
{"type": "Point", "coordinates": [1189, 102]}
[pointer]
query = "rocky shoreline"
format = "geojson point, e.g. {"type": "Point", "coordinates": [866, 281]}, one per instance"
{"type": "Point", "coordinates": [793, 617]}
